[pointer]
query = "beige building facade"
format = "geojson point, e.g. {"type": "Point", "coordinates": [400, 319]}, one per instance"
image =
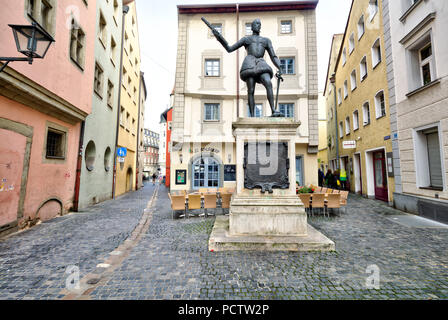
{"type": "Point", "coordinates": [209, 95]}
{"type": "Point", "coordinates": [362, 111]}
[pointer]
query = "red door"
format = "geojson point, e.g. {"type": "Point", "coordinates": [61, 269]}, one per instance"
{"type": "Point", "coordinates": [380, 175]}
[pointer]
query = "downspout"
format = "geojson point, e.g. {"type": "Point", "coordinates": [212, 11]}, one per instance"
{"type": "Point", "coordinates": [125, 11]}
{"type": "Point", "coordinates": [333, 81]}
{"type": "Point", "coordinates": [78, 168]}
{"type": "Point", "coordinates": [137, 162]}
{"type": "Point", "coordinates": [237, 63]}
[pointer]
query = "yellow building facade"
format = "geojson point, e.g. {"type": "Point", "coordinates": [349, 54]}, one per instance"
{"type": "Point", "coordinates": [127, 132]}
{"type": "Point", "coordinates": [322, 156]}
{"type": "Point", "coordinates": [362, 98]}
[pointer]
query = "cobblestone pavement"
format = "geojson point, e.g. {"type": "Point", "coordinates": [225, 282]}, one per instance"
{"type": "Point", "coordinates": [172, 261]}
{"type": "Point", "coordinates": [33, 263]}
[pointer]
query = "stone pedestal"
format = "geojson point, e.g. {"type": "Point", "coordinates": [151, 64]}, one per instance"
{"type": "Point", "coordinates": [266, 221]}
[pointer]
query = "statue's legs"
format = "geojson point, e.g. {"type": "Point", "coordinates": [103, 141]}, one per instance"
{"type": "Point", "coordinates": [250, 82]}
{"type": "Point", "coordinates": [266, 81]}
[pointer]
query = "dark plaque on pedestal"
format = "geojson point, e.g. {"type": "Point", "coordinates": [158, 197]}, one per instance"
{"type": "Point", "coordinates": [266, 166]}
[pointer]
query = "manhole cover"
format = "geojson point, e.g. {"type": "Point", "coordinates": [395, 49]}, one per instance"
{"type": "Point", "coordinates": [93, 281]}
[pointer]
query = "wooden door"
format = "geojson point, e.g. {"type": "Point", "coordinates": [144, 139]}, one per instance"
{"type": "Point", "coordinates": [380, 176]}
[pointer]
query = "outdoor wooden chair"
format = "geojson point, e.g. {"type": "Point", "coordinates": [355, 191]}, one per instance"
{"type": "Point", "coordinates": [333, 202]}
{"type": "Point", "coordinates": [318, 201]}
{"type": "Point", "coordinates": [336, 191]}
{"type": "Point", "coordinates": [344, 198]}
{"type": "Point", "coordinates": [177, 204]}
{"type": "Point", "coordinates": [329, 190]}
{"type": "Point", "coordinates": [318, 190]}
{"type": "Point", "coordinates": [323, 190]}
{"type": "Point", "coordinates": [212, 190]}
{"type": "Point", "coordinates": [194, 203]}
{"type": "Point", "coordinates": [306, 199]}
{"type": "Point", "coordinates": [203, 190]}
{"type": "Point", "coordinates": [225, 201]}
{"type": "Point", "coordinates": [209, 203]}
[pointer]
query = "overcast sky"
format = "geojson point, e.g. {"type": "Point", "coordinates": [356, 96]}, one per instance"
{"type": "Point", "coordinates": [157, 22]}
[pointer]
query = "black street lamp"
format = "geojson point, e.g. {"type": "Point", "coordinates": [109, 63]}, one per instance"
{"type": "Point", "coordinates": [31, 41]}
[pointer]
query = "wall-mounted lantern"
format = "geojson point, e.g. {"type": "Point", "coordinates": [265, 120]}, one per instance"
{"type": "Point", "coordinates": [31, 41]}
{"type": "Point", "coordinates": [181, 158]}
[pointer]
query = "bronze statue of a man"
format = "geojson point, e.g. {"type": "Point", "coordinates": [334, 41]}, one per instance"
{"type": "Point", "coordinates": [254, 68]}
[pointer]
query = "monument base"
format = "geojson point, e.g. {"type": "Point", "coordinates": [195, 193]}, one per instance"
{"type": "Point", "coordinates": [221, 240]}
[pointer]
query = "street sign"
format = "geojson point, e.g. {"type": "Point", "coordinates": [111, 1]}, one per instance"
{"type": "Point", "coordinates": [120, 160]}
{"type": "Point", "coordinates": [349, 144]}
{"type": "Point", "coordinates": [122, 152]}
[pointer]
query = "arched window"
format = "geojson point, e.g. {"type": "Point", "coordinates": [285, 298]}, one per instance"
{"type": "Point", "coordinates": [206, 173]}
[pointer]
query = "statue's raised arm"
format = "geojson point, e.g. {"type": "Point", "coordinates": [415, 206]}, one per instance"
{"type": "Point", "coordinates": [221, 39]}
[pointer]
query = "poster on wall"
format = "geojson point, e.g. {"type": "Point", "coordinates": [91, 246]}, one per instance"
{"type": "Point", "coordinates": [181, 177]}
{"type": "Point", "coordinates": [229, 172]}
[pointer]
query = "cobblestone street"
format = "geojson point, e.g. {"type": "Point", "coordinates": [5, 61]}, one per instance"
{"type": "Point", "coordinates": [171, 259]}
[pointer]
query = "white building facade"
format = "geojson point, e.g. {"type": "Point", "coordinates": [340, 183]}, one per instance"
{"type": "Point", "coordinates": [209, 95]}
{"type": "Point", "coordinates": [417, 55]}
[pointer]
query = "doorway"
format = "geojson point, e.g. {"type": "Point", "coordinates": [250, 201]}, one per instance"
{"type": "Point", "coordinates": [357, 172]}
{"type": "Point", "coordinates": [129, 180]}
{"type": "Point", "coordinates": [206, 173]}
{"type": "Point", "coordinates": [380, 176]}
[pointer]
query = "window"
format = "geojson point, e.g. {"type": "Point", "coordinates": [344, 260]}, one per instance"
{"type": "Point", "coordinates": [428, 158]}
{"type": "Point", "coordinates": [248, 29]}
{"type": "Point", "coordinates": [128, 117]}
{"type": "Point", "coordinates": [299, 170]}
{"type": "Point", "coordinates": [380, 105]}
{"type": "Point", "coordinates": [126, 40]}
{"type": "Point", "coordinates": [258, 110]}
{"type": "Point", "coordinates": [351, 43]}
{"type": "Point", "coordinates": [287, 109]}
{"type": "Point", "coordinates": [376, 53]}
{"type": "Point", "coordinates": [110, 93]}
{"type": "Point", "coordinates": [89, 156]}
{"type": "Point", "coordinates": [43, 12]}
{"type": "Point", "coordinates": [347, 126]}
{"type": "Point", "coordinates": [55, 144]}
{"type": "Point", "coordinates": [211, 112]}
{"type": "Point", "coordinates": [98, 84]}
{"type": "Point", "coordinates": [102, 34]}
{"type": "Point", "coordinates": [345, 89]}
{"type": "Point", "coordinates": [218, 27]}
{"type": "Point", "coordinates": [341, 130]}
{"type": "Point", "coordinates": [77, 40]}
{"type": "Point", "coordinates": [339, 97]}
{"type": "Point", "coordinates": [366, 113]}
{"type": "Point", "coordinates": [124, 77]}
{"type": "Point", "coordinates": [361, 27]}
{"type": "Point", "coordinates": [287, 65]}
{"type": "Point", "coordinates": [331, 113]}
{"type": "Point", "coordinates": [353, 80]}
{"type": "Point", "coordinates": [363, 68]}
{"type": "Point", "coordinates": [355, 120]}
{"type": "Point", "coordinates": [286, 26]}
{"type": "Point", "coordinates": [122, 116]}
{"type": "Point", "coordinates": [107, 159]}
{"type": "Point", "coordinates": [373, 8]}
{"type": "Point", "coordinates": [425, 55]}
{"type": "Point", "coordinates": [344, 56]}
{"type": "Point", "coordinates": [116, 11]}
{"type": "Point", "coordinates": [113, 50]}
{"type": "Point", "coordinates": [212, 67]}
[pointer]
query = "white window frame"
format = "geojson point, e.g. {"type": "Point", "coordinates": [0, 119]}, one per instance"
{"type": "Point", "coordinates": [283, 28]}
{"type": "Point", "coordinates": [353, 82]}
{"type": "Point", "coordinates": [355, 120]}
{"type": "Point", "coordinates": [361, 27]}
{"type": "Point", "coordinates": [211, 63]}
{"type": "Point", "coordinates": [373, 9]}
{"type": "Point", "coordinates": [339, 96]}
{"type": "Point", "coordinates": [345, 89]}
{"type": "Point", "coordinates": [376, 53]}
{"type": "Point", "coordinates": [341, 130]}
{"type": "Point", "coordinates": [344, 56]}
{"type": "Point", "coordinates": [347, 126]}
{"type": "Point", "coordinates": [378, 110]}
{"type": "Point", "coordinates": [215, 115]}
{"type": "Point", "coordinates": [363, 69]}
{"type": "Point", "coordinates": [290, 114]}
{"type": "Point", "coordinates": [366, 113]}
{"type": "Point", "coordinates": [428, 61]}
{"type": "Point", "coordinates": [258, 106]}
{"type": "Point", "coordinates": [351, 43]}
{"type": "Point", "coordinates": [286, 59]}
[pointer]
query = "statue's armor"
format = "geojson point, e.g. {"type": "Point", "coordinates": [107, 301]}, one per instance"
{"type": "Point", "coordinates": [254, 65]}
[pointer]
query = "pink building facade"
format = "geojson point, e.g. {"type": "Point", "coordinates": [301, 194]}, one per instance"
{"type": "Point", "coordinates": [42, 108]}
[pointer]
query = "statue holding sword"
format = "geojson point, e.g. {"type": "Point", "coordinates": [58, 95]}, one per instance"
{"type": "Point", "coordinates": [254, 68]}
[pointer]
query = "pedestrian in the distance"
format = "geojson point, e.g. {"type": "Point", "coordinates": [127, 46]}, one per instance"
{"type": "Point", "coordinates": [321, 177]}
{"type": "Point", "coordinates": [154, 179]}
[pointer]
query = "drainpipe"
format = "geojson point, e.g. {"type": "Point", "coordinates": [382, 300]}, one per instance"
{"type": "Point", "coordinates": [78, 168]}
{"type": "Point", "coordinates": [125, 11]}
{"type": "Point", "coordinates": [137, 162]}
{"type": "Point", "coordinates": [237, 62]}
{"type": "Point", "coordinates": [333, 81]}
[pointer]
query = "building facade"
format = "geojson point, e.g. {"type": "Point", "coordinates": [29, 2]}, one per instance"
{"type": "Point", "coordinates": [322, 156]}
{"type": "Point", "coordinates": [42, 107]}
{"type": "Point", "coordinates": [418, 82]}
{"type": "Point", "coordinates": [101, 125]}
{"type": "Point", "coordinates": [209, 95]}
{"type": "Point", "coordinates": [363, 113]}
{"type": "Point", "coordinates": [141, 131]}
{"type": "Point", "coordinates": [129, 101]}
{"type": "Point", "coordinates": [166, 120]}
{"type": "Point", "coordinates": [151, 153]}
